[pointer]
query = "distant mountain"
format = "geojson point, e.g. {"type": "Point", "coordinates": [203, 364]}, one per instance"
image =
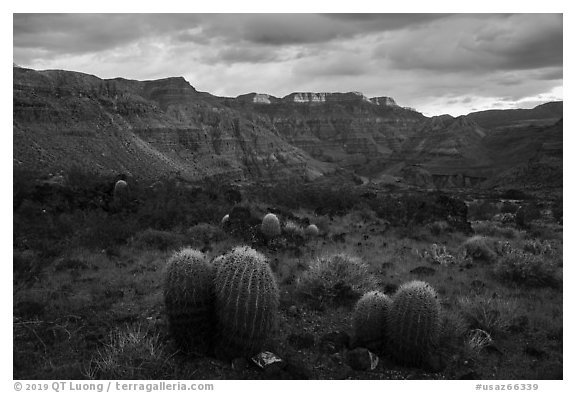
{"type": "Point", "coordinates": [542, 115]}
{"type": "Point", "coordinates": [153, 128]}
{"type": "Point", "coordinates": [146, 129]}
{"type": "Point", "coordinates": [348, 129]}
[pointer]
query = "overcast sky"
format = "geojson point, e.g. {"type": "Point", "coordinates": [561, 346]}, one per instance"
{"type": "Point", "coordinates": [435, 63]}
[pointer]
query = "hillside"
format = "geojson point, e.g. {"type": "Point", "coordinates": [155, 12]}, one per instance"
{"type": "Point", "coordinates": [144, 129]}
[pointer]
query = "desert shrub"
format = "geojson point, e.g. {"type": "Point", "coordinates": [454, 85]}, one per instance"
{"type": "Point", "coordinates": [440, 255]}
{"type": "Point", "coordinates": [538, 247]}
{"type": "Point", "coordinates": [527, 269]}
{"type": "Point", "coordinates": [526, 214]}
{"type": "Point", "coordinates": [438, 227]}
{"type": "Point", "coordinates": [489, 228]}
{"type": "Point", "coordinates": [493, 315]}
{"type": "Point", "coordinates": [292, 230]}
{"type": "Point", "coordinates": [206, 233]}
{"type": "Point", "coordinates": [132, 353]}
{"type": "Point", "coordinates": [335, 279]}
{"type": "Point", "coordinates": [477, 248]}
{"type": "Point", "coordinates": [103, 230]}
{"type": "Point", "coordinates": [508, 207]}
{"type": "Point", "coordinates": [482, 210]}
{"type": "Point", "coordinates": [155, 239]}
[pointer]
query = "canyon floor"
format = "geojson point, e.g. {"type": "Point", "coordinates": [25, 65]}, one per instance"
{"type": "Point", "coordinates": [88, 297]}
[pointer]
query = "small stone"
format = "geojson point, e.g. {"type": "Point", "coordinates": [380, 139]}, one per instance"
{"type": "Point", "coordinates": [361, 359]}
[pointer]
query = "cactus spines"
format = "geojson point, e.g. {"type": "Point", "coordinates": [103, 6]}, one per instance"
{"type": "Point", "coordinates": [369, 320]}
{"type": "Point", "coordinates": [189, 300]}
{"type": "Point", "coordinates": [270, 226]}
{"type": "Point", "coordinates": [311, 231]}
{"type": "Point", "coordinates": [246, 301]}
{"type": "Point", "coordinates": [413, 323]}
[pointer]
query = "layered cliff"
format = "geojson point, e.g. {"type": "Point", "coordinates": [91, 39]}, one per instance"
{"type": "Point", "coordinates": [147, 129]}
{"type": "Point", "coordinates": [348, 129]}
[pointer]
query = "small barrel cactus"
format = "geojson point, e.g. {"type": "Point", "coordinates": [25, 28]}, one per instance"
{"type": "Point", "coordinates": [246, 302]}
{"type": "Point", "coordinates": [270, 226]}
{"type": "Point", "coordinates": [189, 300]}
{"type": "Point", "coordinates": [369, 320]}
{"type": "Point", "coordinates": [311, 231]}
{"type": "Point", "coordinates": [121, 193]}
{"type": "Point", "coordinates": [413, 323]}
{"type": "Point", "coordinates": [225, 220]}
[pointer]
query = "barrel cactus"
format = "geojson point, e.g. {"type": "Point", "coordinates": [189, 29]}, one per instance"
{"type": "Point", "coordinates": [311, 230]}
{"type": "Point", "coordinates": [413, 323]}
{"type": "Point", "coordinates": [225, 220]}
{"type": "Point", "coordinates": [369, 320]}
{"type": "Point", "coordinates": [246, 302]}
{"type": "Point", "coordinates": [189, 300]}
{"type": "Point", "coordinates": [121, 193]}
{"type": "Point", "coordinates": [270, 226]}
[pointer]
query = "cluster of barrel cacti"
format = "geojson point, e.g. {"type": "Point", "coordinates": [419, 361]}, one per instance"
{"type": "Point", "coordinates": [408, 325]}
{"type": "Point", "coordinates": [229, 304]}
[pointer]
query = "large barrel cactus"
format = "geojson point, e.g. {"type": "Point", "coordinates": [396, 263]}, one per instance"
{"type": "Point", "coordinates": [246, 302]}
{"type": "Point", "coordinates": [270, 226]}
{"type": "Point", "coordinates": [413, 323]}
{"type": "Point", "coordinates": [189, 300]}
{"type": "Point", "coordinates": [369, 320]}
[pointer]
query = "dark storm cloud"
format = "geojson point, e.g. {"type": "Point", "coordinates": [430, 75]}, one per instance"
{"type": "Point", "coordinates": [472, 43]}
{"type": "Point", "coordinates": [436, 63]}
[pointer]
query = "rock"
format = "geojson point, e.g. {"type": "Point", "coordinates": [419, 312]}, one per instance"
{"type": "Point", "coordinates": [276, 368]}
{"type": "Point", "coordinates": [301, 341]}
{"type": "Point", "coordinates": [423, 271]}
{"type": "Point", "coordinates": [334, 342]}
{"type": "Point", "coordinates": [361, 359]}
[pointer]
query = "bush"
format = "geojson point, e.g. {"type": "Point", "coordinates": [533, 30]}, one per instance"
{"type": "Point", "coordinates": [489, 228]}
{"type": "Point", "coordinates": [528, 269]}
{"type": "Point", "coordinates": [477, 247]}
{"type": "Point", "coordinates": [490, 314]}
{"type": "Point", "coordinates": [206, 233]}
{"type": "Point", "coordinates": [132, 353]}
{"type": "Point", "coordinates": [161, 240]}
{"type": "Point", "coordinates": [336, 279]}
{"type": "Point", "coordinates": [526, 214]}
{"type": "Point", "coordinates": [482, 210]}
{"type": "Point", "coordinates": [438, 227]}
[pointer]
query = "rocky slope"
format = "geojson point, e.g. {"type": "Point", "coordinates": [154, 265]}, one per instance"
{"type": "Point", "coordinates": [348, 129]}
{"type": "Point", "coordinates": [542, 115]}
{"type": "Point", "coordinates": [145, 129]}
{"type": "Point", "coordinates": [155, 128]}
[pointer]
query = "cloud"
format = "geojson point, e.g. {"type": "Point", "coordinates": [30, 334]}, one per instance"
{"type": "Point", "coordinates": [436, 63]}
{"type": "Point", "coordinates": [473, 44]}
